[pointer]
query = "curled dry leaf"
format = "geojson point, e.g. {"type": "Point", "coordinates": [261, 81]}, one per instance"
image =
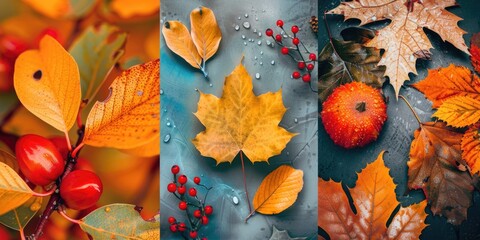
{"type": "Point", "coordinates": [13, 189]}
{"type": "Point", "coordinates": [129, 117]}
{"type": "Point", "coordinates": [436, 167]}
{"type": "Point", "coordinates": [47, 82]}
{"type": "Point", "coordinates": [132, 8]}
{"type": "Point", "coordinates": [403, 39]}
{"type": "Point", "coordinates": [443, 83]}
{"type": "Point", "coordinates": [471, 148]}
{"type": "Point", "coordinates": [278, 191]}
{"type": "Point", "coordinates": [375, 200]}
{"type": "Point", "coordinates": [475, 51]}
{"type": "Point", "coordinates": [459, 111]}
{"type": "Point", "coordinates": [241, 121]}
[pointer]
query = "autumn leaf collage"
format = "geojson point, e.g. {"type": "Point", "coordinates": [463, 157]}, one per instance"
{"type": "Point", "coordinates": [226, 120]}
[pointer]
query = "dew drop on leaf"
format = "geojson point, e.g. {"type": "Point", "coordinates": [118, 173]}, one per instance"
{"type": "Point", "coordinates": [166, 139]}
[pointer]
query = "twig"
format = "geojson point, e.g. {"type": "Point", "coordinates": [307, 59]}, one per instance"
{"type": "Point", "coordinates": [245, 181]}
{"type": "Point", "coordinates": [411, 109]}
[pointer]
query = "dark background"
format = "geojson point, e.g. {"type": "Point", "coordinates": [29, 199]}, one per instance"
{"type": "Point", "coordinates": [341, 165]}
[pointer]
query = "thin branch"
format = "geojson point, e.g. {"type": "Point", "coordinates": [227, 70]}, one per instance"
{"type": "Point", "coordinates": [411, 109]}
{"type": "Point", "coordinates": [245, 181]}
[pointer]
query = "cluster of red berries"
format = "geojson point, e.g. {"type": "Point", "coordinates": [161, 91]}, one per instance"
{"type": "Point", "coordinates": [201, 211]}
{"type": "Point", "coordinates": [42, 162]}
{"type": "Point", "coordinates": [303, 65]}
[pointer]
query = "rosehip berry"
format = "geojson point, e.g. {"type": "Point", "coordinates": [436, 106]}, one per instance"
{"type": "Point", "coordinates": [295, 29]}
{"type": "Point", "coordinates": [61, 143]}
{"type": "Point", "coordinates": [83, 164]}
{"type": "Point", "coordinates": [172, 187]}
{"type": "Point", "coordinates": [278, 38]}
{"type": "Point", "coordinates": [280, 23]}
{"type": "Point", "coordinates": [284, 50]}
{"type": "Point", "coordinates": [11, 47]}
{"type": "Point", "coordinates": [193, 234]}
{"type": "Point", "coordinates": [182, 179]}
{"type": "Point", "coordinates": [208, 210]}
{"type": "Point", "coordinates": [38, 159]}
{"type": "Point", "coordinates": [306, 77]}
{"type": "Point", "coordinates": [301, 65]}
{"type": "Point", "coordinates": [182, 205]}
{"type": "Point", "coordinates": [310, 66]}
{"type": "Point", "coordinates": [196, 180]}
{"type": "Point", "coordinates": [173, 227]}
{"type": "Point", "coordinates": [296, 75]}
{"type": "Point", "coordinates": [312, 56]}
{"type": "Point", "coordinates": [182, 227]}
{"type": "Point", "coordinates": [6, 75]}
{"type": "Point", "coordinates": [181, 190]}
{"type": "Point", "coordinates": [197, 213]}
{"type": "Point", "coordinates": [269, 32]}
{"type": "Point", "coordinates": [204, 220]}
{"type": "Point", "coordinates": [175, 169]}
{"type": "Point", "coordinates": [81, 189]}
{"type": "Point", "coordinates": [204, 238]}
{"type": "Point", "coordinates": [172, 220]}
{"type": "Point", "coordinates": [192, 192]}
{"type": "Point", "coordinates": [296, 41]}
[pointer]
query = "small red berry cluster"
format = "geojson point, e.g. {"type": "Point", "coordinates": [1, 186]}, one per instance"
{"type": "Point", "coordinates": [304, 66]}
{"type": "Point", "coordinates": [187, 203]}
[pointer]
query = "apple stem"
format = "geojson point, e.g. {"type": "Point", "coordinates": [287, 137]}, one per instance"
{"type": "Point", "coordinates": [245, 181]}
{"type": "Point", "coordinates": [361, 106]}
{"type": "Point", "coordinates": [411, 109]}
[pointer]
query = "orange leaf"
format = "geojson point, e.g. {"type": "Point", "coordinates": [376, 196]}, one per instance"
{"type": "Point", "coordinates": [241, 121]}
{"type": "Point", "coordinates": [62, 8]}
{"type": "Point", "coordinates": [13, 189]}
{"type": "Point", "coordinates": [444, 83]}
{"type": "Point", "coordinates": [475, 51]}
{"type": "Point", "coordinates": [205, 32]}
{"type": "Point", "coordinates": [47, 82]}
{"type": "Point", "coordinates": [129, 117]}
{"type": "Point", "coordinates": [459, 111]}
{"type": "Point", "coordinates": [149, 149]}
{"type": "Point", "coordinates": [131, 8]}
{"type": "Point", "coordinates": [471, 148]}
{"type": "Point", "coordinates": [375, 200]}
{"type": "Point", "coordinates": [278, 191]}
{"type": "Point", "coordinates": [179, 41]}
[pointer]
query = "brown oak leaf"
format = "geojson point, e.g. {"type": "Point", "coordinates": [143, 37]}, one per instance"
{"type": "Point", "coordinates": [471, 148]}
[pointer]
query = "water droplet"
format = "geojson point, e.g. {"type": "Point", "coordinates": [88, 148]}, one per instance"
{"type": "Point", "coordinates": [243, 37]}
{"type": "Point", "coordinates": [295, 120]}
{"type": "Point", "coordinates": [261, 52]}
{"type": "Point", "coordinates": [237, 27]}
{"type": "Point", "coordinates": [235, 200]}
{"type": "Point", "coordinates": [196, 89]}
{"type": "Point", "coordinates": [239, 18]}
{"type": "Point", "coordinates": [273, 62]}
{"type": "Point", "coordinates": [139, 93]}
{"type": "Point", "coordinates": [168, 124]}
{"type": "Point", "coordinates": [257, 75]}
{"type": "Point", "coordinates": [255, 30]}
{"type": "Point", "coordinates": [211, 85]}
{"type": "Point", "coordinates": [255, 57]}
{"type": "Point", "coordinates": [245, 43]}
{"type": "Point", "coordinates": [259, 34]}
{"type": "Point", "coordinates": [108, 209]}
{"type": "Point", "coordinates": [161, 91]}
{"type": "Point", "coordinates": [288, 153]}
{"type": "Point", "coordinates": [246, 15]}
{"type": "Point", "coordinates": [374, 18]}
{"type": "Point", "coordinates": [259, 42]}
{"type": "Point", "coordinates": [166, 139]}
{"type": "Point", "coordinates": [246, 25]}
{"type": "Point", "coordinates": [268, 42]}
{"type": "Point", "coordinates": [256, 19]}
{"type": "Point", "coordinates": [261, 63]}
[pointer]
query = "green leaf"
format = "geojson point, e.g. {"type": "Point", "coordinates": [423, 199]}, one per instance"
{"type": "Point", "coordinates": [80, 8]}
{"type": "Point", "coordinates": [342, 62]}
{"type": "Point", "coordinates": [119, 221]}
{"type": "Point", "coordinates": [23, 214]}
{"type": "Point", "coordinates": [96, 51]}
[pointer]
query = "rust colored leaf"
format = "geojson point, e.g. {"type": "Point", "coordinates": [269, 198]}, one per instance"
{"type": "Point", "coordinates": [475, 51]}
{"type": "Point", "coordinates": [471, 148]}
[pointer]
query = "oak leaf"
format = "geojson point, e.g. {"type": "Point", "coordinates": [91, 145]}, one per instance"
{"type": "Point", "coordinates": [241, 121]}
{"type": "Point", "coordinates": [471, 148]}
{"type": "Point", "coordinates": [436, 167]}
{"type": "Point", "coordinates": [443, 83]}
{"type": "Point", "coordinates": [404, 40]}
{"type": "Point", "coordinates": [375, 200]}
{"type": "Point", "coordinates": [278, 191]}
{"type": "Point", "coordinates": [459, 111]}
{"type": "Point", "coordinates": [475, 51]}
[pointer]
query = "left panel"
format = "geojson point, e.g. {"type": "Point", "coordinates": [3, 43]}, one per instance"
{"type": "Point", "coordinates": [79, 119]}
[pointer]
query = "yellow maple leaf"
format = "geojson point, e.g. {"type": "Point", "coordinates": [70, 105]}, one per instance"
{"type": "Point", "coordinates": [241, 121]}
{"type": "Point", "coordinates": [459, 111]}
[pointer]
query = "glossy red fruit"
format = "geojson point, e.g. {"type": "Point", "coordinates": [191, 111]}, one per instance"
{"type": "Point", "coordinates": [11, 47]}
{"type": "Point", "coordinates": [295, 29]}
{"type": "Point", "coordinates": [280, 23]}
{"type": "Point", "coordinates": [269, 32]}
{"type": "Point", "coordinates": [312, 56]}
{"type": "Point", "coordinates": [208, 210]}
{"type": "Point", "coordinates": [354, 114]}
{"type": "Point", "coordinates": [296, 75]}
{"type": "Point", "coordinates": [310, 66]}
{"type": "Point", "coordinates": [61, 144]}
{"type": "Point", "coordinates": [172, 187]}
{"type": "Point", "coordinates": [173, 227]}
{"type": "Point", "coordinates": [284, 50]}
{"type": "Point", "coordinates": [301, 65]}
{"type": "Point", "coordinates": [306, 77]}
{"type": "Point", "coordinates": [278, 38]}
{"type": "Point", "coordinates": [204, 238]}
{"type": "Point", "coordinates": [38, 159]}
{"type": "Point", "coordinates": [196, 180]}
{"type": "Point", "coordinates": [192, 192]}
{"type": "Point", "coordinates": [175, 169]}
{"type": "Point", "coordinates": [182, 179]}
{"type": "Point", "coordinates": [204, 220]}
{"type": "Point", "coordinates": [81, 189]}
{"type": "Point", "coordinates": [6, 75]}
{"type": "Point", "coordinates": [83, 164]}
{"type": "Point", "coordinates": [172, 220]}
{"type": "Point", "coordinates": [181, 190]}
{"type": "Point", "coordinates": [193, 234]}
{"type": "Point", "coordinates": [182, 227]}
{"type": "Point", "coordinates": [182, 205]}
{"type": "Point", "coordinates": [4, 235]}
{"type": "Point", "coordinates": [197, 213]}
{"type": "Point", "coordinates": [296, 41]}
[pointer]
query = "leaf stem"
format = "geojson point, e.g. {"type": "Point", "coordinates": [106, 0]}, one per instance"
{"type": "Point", "coordinates": [245, 181]}
{"type": "Point", "coordinates": [77, 149]}
{"type": "Point", "coordinates": [411, 109]}
{"type": "Point", "coordinates": [249, 216]}
{"type": "Point", "coordinates": [50, 192]}
{"type": "Point", "coordinates": [62, 212]}
{"type": "Point", "coordinates": [20, 228]}
{"type": "Point", "coordinates": [69, 145]}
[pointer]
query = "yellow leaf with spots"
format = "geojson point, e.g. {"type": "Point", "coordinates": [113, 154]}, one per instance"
{"type": "Point", "coordinates": [459, 111]}
{"type": "Point", "coordinates": [129, 117]}
{"type": "Point", "coordinates": [13, 190]}
{"type": "Point", "coordinates": [47, 82]}
{"type": "Point", "coordinates": [205, 32]}
{"type": "Point", "coordinates": [241, 121]}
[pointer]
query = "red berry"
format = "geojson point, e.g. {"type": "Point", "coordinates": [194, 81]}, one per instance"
{"type": "Point", "coordinates": [296, 41]}
{"type": "Point", "coordinates": [196, 180]}
{"type": "Point", "coordinates": [284, 50]}
{"type": "Point", "coordinates": [365, 110]}
{"type": "Point", "coordinates": [197, 213]}
{"type": "Point", "coordinates": [11, 47]}
{"type": "Point", "coordinates": [301, 65]}
{"type": "Point", "coordinates": [204, 238]}
{"type": "Point", "coordinates": [175, 169]}
{"type": "Point", "coordinates": [172, 187]}
{"type": "Point", "coordinates": [269, 32]}
{"type": "Point", "coordinates": [278, 38]}
{"type": "Point", "coordinates": [296, 75]}
{"type": "Point", "coordinates": [4, 235]}
{"type": "Point", "coordinates": [182, 179]}
{"type": "Point", "coordinates": [193, 192]}
{"type": "Point", "coordinates": [295, 29]}
{"type": "Point", "coordinates": [310, 66]}
{"type": "Point", "coordinates": [83, 164]}
{"type": "Point", "coordinates": [280, 23]}
{"type": "Point", "coordinates": [208, 210]}
{"type": "Point", "coordinates": [193, 234]}
{"type": "Point", "coordinates": [61, 143]}
{"type": "Point", "coordinates": [204, 220]}
{"type": "Point", "coordinates": [181, 190]}
{"type": "Point", "coordinates": [312, 56]}
{"type": "Point", "coordinates": [6, 75]}
{"type": "Point", "coordinates": [182, 205]}
{"type": "Point", "coordinates": [81, 189]}
{"type": "Point", "coordinates": [171, 220]}
{"type": "Point", "coordinates": [182, 227]}
{"type": "Point", "coordinates": [38, 159]}
{"type": "Point", "coordinates": [306, 77]}
{"type": "Point", "coordinates": [50, 32]}
{"type": "Point", "coordinates": [173, 227]}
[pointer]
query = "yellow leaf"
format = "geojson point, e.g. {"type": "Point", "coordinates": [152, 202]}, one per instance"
{"type": "Point", "coordinates": [152, 43]}
{"type": "Point", "coordinates": [471, 148]}
{"type": "Point", "coordinates": [131, 8]}
{"type": "Point", "coordinates": [149, 149]}
{"type": "Point", "coordinates": [459, 111]}
{"type": "Point", "coordinates": [278, 191]}
{"type": "Point", "coordinates": [13, 190]}
{"type": "Point", "coordinates": [50, 8]}
{"type": "Point", "coordinates": [129, 117]}
{"type": "Point", "coordinates": [179, 41]}
{"type": "Point", "coordinates": [241, 121]}
{"type": "Point", "coordinates": [47, 82]}
{"type": "Point", "coordinates": [205, 32]}
{"type": "Point", "coordinates": [6, 156]}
